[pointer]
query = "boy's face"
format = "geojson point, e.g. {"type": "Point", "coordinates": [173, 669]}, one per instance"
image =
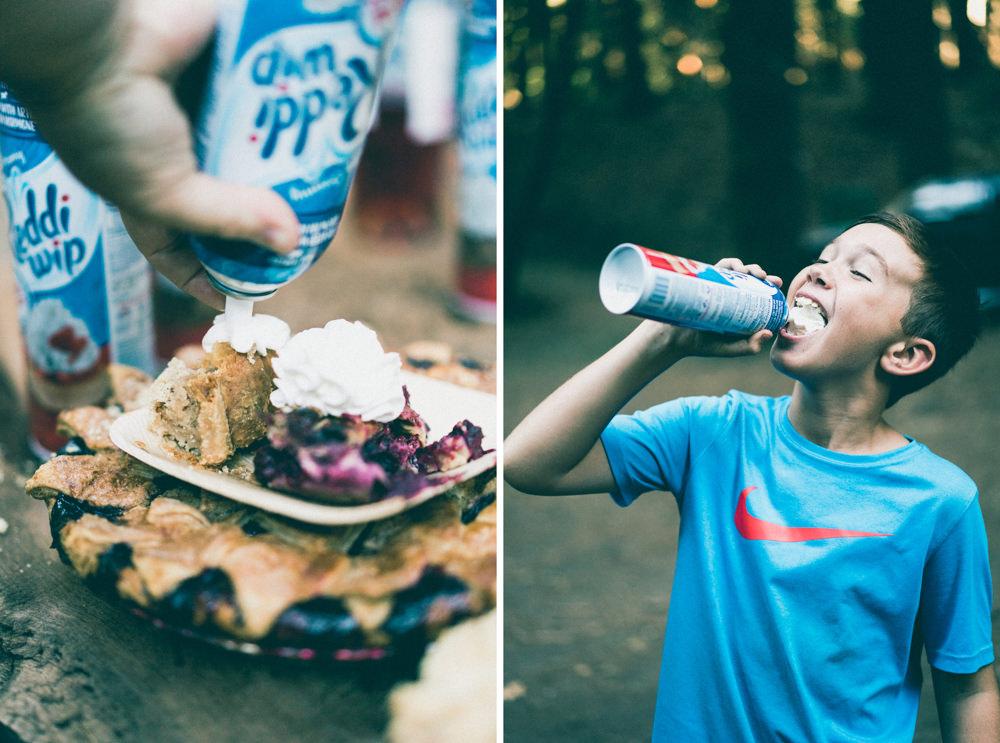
{"type": "Point", "coordinates": [862, 283]}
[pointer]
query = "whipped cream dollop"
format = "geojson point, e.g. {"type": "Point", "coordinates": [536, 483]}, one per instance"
{"type": "Point", "coordinates": [339, 369]}
{"type": "Point", "coordinates": [245, 331]}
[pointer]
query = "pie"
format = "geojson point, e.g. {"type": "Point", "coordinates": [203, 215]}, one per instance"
{"type": "Point", "coordinates": [253, 581]}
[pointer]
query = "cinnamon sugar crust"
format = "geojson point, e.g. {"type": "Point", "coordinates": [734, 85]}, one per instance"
{"type": "Point", "coordinates": [90, 423]}
{"type": "Point", "coordinates": [440, 361]}
{"type": "Point", "coordinates": [105, 478]}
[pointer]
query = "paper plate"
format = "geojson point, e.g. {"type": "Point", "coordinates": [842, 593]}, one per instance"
{"type": "Point", "coordinates": [440, 404]}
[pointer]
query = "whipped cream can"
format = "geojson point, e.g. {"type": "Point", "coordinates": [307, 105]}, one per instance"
{"type": "Point", "coordinates": [84, 295]}
{"type": "Point", "coordinates": [680, 291]}
{"type": "Point", "coordinates": [477, 157]}
{"type": "Point", "coordinates": [288, 107]}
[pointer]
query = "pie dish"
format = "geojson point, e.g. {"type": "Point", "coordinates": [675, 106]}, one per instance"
{"type": "Point", "coordinates": [256, 582]}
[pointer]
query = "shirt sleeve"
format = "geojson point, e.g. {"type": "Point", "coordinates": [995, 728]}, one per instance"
{"type": "Point", "coordinates": [957, 596]}
{"type": "Point", "coordinates": [652, 449]}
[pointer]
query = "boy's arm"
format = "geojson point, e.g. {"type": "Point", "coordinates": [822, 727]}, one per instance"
{"type": "Point", "coordinates": [556, 449]}
{"type": "Point", "coordinates": [968, 705]}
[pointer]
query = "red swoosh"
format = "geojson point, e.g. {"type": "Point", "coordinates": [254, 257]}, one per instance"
{"type": "Point", "coordinates": [751, 527]}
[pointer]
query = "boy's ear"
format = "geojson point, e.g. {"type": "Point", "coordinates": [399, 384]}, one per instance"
{"type": "Point", "coordinates": [908, 357]}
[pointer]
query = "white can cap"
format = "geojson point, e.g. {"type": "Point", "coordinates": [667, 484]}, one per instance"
{"type": "Point", "coordinates": [623, 279]}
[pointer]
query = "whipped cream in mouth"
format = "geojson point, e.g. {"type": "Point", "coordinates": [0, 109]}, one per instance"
{"type": "Point", "coordinates": [805, 317]}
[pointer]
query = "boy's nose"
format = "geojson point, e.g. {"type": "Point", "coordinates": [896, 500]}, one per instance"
{"type": "Point", "coordinates": [818, 274]}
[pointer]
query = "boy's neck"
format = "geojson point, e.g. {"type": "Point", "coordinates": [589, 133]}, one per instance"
{"type": "Point", "coordinates": [842, 421]}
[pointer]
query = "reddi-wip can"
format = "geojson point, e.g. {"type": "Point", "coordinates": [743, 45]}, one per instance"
{"type": "Point", "coordinates": [680, 291]}
{"type": "Point", "coordinates": [289, 106]}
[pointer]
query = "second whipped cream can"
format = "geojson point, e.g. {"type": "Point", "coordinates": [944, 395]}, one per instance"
{"type": "Point", "coordinates": [82, 286]}
{"type": "Point", "coordinates": [680, 291]}
{"type": "Point", "coordinates": [288, 107]}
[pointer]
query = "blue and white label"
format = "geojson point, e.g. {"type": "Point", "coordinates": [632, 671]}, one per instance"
{"type": "Point", "coordinates": [289, 108]}
{"type": "Point", "coordinates": [477, 134]}
{"type": "Point", "coordinates": [57, 234]}
{"type": "Point", "coordinates": [55, 226]}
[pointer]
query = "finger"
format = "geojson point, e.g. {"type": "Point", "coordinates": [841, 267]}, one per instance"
{"type": "Point", "coordinates": [176, 262]}
{"type": "Point", "coordinates": [776, 280]}
{"type": "Point", "coordinates": [167, 34]}
{"type": "Point", "coordinates": [757, 340]}
{"type": "Point", "coordinates": [201, 288]}
{"type": "Point", "coordinates": [733, 264]}
{"type": "Point", "coordinates": [754, 269]}
{"type": "Point", "coordinates": [170, 255]}
{"type": "Point", "coordinates": [205, 205]}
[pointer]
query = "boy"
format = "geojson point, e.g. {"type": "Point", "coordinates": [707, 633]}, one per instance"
{"type": "Point", "coordinates": [820, 550]}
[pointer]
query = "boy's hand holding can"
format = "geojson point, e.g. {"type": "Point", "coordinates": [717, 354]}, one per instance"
{"type": "Point", "coordinates": [673, 342]}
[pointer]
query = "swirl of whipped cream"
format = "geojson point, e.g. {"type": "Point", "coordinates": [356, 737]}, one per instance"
{"type": "Point", "coordinates": [244, 331]}
{"type": "Point", "coordinates": [339, 369]}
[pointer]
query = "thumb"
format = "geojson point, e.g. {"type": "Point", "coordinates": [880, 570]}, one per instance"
{"type": "Point", "coordinates": [757, 340]}
{"type": "Point", "coordinates": [205, 205]}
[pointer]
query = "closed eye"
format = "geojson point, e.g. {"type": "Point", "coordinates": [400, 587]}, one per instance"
{"type": "Point", "coordinates": [858, 273]}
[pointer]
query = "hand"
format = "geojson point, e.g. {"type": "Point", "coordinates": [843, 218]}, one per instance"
{"type": "Point", "coordinates": [116, 124]}
{"type": "Point", "coordinates": [678, 342]}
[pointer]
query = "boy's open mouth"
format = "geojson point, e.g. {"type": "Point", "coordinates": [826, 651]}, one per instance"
{"type": "Point", "coordinates": [805, 317]}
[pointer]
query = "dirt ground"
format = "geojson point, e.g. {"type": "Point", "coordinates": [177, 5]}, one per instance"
{"type": "Point", "coordinates": [587, 584]}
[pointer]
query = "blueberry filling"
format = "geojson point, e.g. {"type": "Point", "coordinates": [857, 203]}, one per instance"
{"type": "Point", "coordinates": [483, 498]}
{"type": "Point", "coordinates": [344, 459]}
{"type": "Point", "coordinates": [196, 600]}
{"type": "Point", "coordinates": [65, 509]}
{"type": "Point", "coordinates": [165, 483]}
{"type": "Point", "coordinates": [75, 447]}
{"type": "Point", "coordinates": [470, 363]}
{"type": "Point", "coordinates": [110, 565]}
{"type": "Point", "coordinates": [253, 528]}
{"type": "Point", "coordinates": [436, 598]}
{"type": "Point", "coordinates": [319, 623]}
{"type": "Point", "coordinates": [420, 363]}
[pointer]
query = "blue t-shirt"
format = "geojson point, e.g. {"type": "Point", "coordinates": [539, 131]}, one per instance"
{"type": "Point", "coordinates": [807, 581]}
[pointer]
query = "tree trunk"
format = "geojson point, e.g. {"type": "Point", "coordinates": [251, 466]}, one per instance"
{"type": "Point", "coordinates": [972, 53]}
{"type": "Point", "coordinates": [831, 72]}
{"type": "Point", "coordinates": [766, 185]}
{"type": "Point", "coordinates": [905, 97]}
{"type": "Point", "coordinates": [637, 96]}
{"type": "Point", "coordinates": [522, 206]}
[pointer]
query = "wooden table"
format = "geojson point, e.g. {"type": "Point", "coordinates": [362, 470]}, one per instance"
{"type": "Point", "coordinates": [77, 666]}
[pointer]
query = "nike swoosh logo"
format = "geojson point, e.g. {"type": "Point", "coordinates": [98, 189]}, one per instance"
{"type": "Point", "coordinates": [751, 527]}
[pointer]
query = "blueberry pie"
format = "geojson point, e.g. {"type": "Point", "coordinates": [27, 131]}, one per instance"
{"type": "Point", "coordinates": [252, 581]}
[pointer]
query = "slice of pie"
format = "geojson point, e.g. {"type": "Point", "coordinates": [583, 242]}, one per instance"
{"type": "Point", "coordinates": [205, 413]}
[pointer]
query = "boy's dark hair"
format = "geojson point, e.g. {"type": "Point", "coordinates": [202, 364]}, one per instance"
{"type": "Point", "coordinates": [944, 307]}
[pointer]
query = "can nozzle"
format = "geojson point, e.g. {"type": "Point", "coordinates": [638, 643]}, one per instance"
{"type": "Point", "coordinates": [238, 309]}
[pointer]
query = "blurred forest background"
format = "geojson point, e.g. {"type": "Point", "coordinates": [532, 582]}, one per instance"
{"type": "Point", "coordinates": [718, 127]}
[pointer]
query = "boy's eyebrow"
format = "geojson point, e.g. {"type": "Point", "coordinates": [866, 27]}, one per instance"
{"type": "Point", "coordinates": [864, 248]}
{"type": "Point", "coordinates": [878, 256]}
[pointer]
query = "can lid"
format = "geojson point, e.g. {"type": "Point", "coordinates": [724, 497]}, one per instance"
{"type": "Point", "coordinates": [227, 289]}
{"type": "Point", "coordinates": [623, 279]}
